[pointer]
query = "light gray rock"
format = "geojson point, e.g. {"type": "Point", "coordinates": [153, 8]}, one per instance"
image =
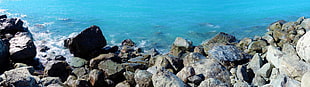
{"type": "Point", "coordinates": [210, 68]}
{"type": "Point", "coordinates": [22, 47]}
{"type": "Point", "coordinates": [305, 81]}
{"type": "Point", "coordinates": [273, 56]}
{"type": "Point", "coordinates": [227, 53]}
{"type": "Point", "coordinates": [306, 24]}
{"type": "Point", "coordinates": [284, 81]}
{"type": "Point", "coordinates": [242, 73]}
{"type": "Point", "coordinates": [143, 78]}
{"type": "Point", "coordinates": [241, 84]}
{"type": "Point", "coordinates": [111, 68]}
{"type": "Point", "coordinates": [293, 68]}
{"type": "Point", "coordinates": [265, 71]}
{"type": "Point", "coordinates": [212, 82]}
{"type": "Point", "coordinates": [303, 45]}
{"type": "Point", "coordinates": [185, 73]}
{"type": "Point", "coordinates": [77, 62]}
{"type": "Point", "coordinates": [181, 42]}
{"type": "Point", "coordinates": [164, 78]}
{"type": "Point", "coordinates": [20, 77]}
{"type": "Point", "coordinates": [169, 62]}
{"type": "Point", "coordinates": [192, 58]}
{"type": "Point", "coordinates": [256, 63]}
{"type": "Point", "coordinates": [258, 80]}
{"type": "Point", "coordinates": [123, 84]}
{"type": "Point", "coordinates": [49, 81]}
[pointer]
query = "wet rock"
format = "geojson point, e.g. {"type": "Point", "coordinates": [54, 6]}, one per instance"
{"type": "Point", "coordinates": [244, 43]}
{"type": "Point", "coordinates": [86, 43]}
{"type": "Point", "coordinates": [273, 56]}
{"type": "Point", "coordinates": [256, 63]}
{"type": "Point", "coordinates": [303, 45]}
{"type": "Point", "coordinates": [265, 71]}
{"type": "Point", "coordinates": [112, 70]}
{"type": "Point", "coordinates": [212, 82]}
{"type": "Point", "coordinates": [300, 19]}
{"type": "Point", "coordinates": [221, 38]}
{"type": "Point", "coordinates": [96, 78]}
{"type": "Point", "coordinates": [4, 56]}
{"type": "Point", "coordinates": [123, 84]}
{"type": "Point", "coordinates": [43, 48]}
{"type": "Point", "coordinates": [164, 78]}
{"type": "Point", "coordinates": [199, 49]}
{"type": "Point", "coordinates": [276, 25]}
{"type": "Point", "coordinates": [139, 59]}
{"type": "Point", "coordinates": [93, 64]}
{"type": "Point", "coordinates": [185, 73]}
{"type": "Point", "coordinates": [227, 53]}
{"type": "Point", "coordinates": [305, 80]}
{"type": "Point", "coordinates": [57, 69]}
{"type": "Point", "coordinates": [20, 77]}
{"type": "Point", "coordinates": [51, 81]}
{"type": "Point", "coordinates": [128, 42]}
{"type": "Point", "coordinates": [196, 79]}
{"type": "Point", "coordinates": [77, 62]}
{"type": "Point", "coordinates": [22, 47]}
{"type": "Point", "coordinates": [143, 78]}
{"type": "Point", "coordinates": [192, 58]}
{"type": "Point", "coordinates": [214, 70]}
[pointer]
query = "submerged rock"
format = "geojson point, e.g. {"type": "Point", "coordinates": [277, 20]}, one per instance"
{"type": "Point", "coordinates": [86, 43]}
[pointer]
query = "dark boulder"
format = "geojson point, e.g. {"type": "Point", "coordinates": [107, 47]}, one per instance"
{"type": "Point", "coordinates": [128, 42]}
{"type": "Point", "coordinates": [4, 56]}
{"type": "Point", "coordinates": [11, 26]}
{"type": "Point", "coordinates": [3, 16]}
{"type": "Point", "coordinates": [97, 78]}
{"type": "Point", "coordinates": [22, 47]}
{"type": "Point", "coordinates": [57, 68]}
{"type": "Point", "coordinates": [87, 44]}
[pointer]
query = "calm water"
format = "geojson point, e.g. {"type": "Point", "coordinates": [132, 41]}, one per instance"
{"type": "Point", "coordinates": [151, 23]}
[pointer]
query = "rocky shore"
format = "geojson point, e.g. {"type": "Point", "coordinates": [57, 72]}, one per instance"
{"type": "Point", "coordinates": [280, 58]}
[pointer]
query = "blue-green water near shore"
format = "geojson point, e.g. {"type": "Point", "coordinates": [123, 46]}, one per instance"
{"type": "Point", "coordinates": [151, 23]}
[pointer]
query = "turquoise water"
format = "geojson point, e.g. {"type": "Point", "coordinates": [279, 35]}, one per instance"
{"type": "Point", "coordinates": [151, 23]}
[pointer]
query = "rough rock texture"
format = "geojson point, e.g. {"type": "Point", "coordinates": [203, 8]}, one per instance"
{"type": "Point", "coordinates": [255, 63]}
{"type": "Point", "coordinates": [227, 53]}
{"type": "Point", "coordinates": [169, 62]}
{"type": "Point", "coordinates": [273, 56]}
{"type": "Point", "coordinates": [212, 82]}
{"type": "Point", "coordinates": [293, 68]}
{"type": "Point", "coordinates": [57, 69]}
{"type": "Point", "coordinates": [20, 77]}
{"type": "Point", "coordinates": [86, 43]}
{"type": "Point", "coordinates": [185, 73]}
{"type": "Point", "coordinates": [123, 84]}
{"type": "Point", "coordinates": [303, 47]}
{"type": "Point", "coordinates": [51, 81]}
{"type": "Point", "coordinates": [96, 78]}
{"type": "Point", "coordinates": [305, 80]}
{"type": "Point", "coordinates": [77, 62]}
{"type": "Point", "coordinates": [22, 47]}
{"type": "Point", "coordinates": [4, 56]}
{"type": "Point", "coordinates": [164, 78]}
{"type": "Point", "coordinates": [192, 58]}
{"type": "Point", "coordinates": [214, 70]}
{"type": "Point", "coordinates": [11, 26]}
{"type": "Point", "coordinates": [128, 42]}
{"type": "Point", "coordinates": [93, 64]}
{"type": "Point", "coordinates": [265, 71]}
{"type": "Point", "coordinates": [143, 78]}
{"type": "Point", "coordinates": [180, 46]}
{"type": "Point", "coordinates": [112, 69]}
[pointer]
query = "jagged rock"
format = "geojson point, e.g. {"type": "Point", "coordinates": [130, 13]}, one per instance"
{"type": "Point", "coordinates": [22, 47]}
{"type": "Point", "coordinates": [80, 72]}
{"type": "Point", "coordinates": [93, 64]}
{"type": "Point", "coordinates": [257, 46]}
{"type": "Point", "coordinates": [265, 71]}
{"type": "Point", "coordinates": [305, 80]}
{"type": "Point", "coordinates": [130, 77]}
{"type": "Point", "coordinates": [70, 81]}
{"type": "Point", "coordinates": [242, 73]}
{"type": "Point", "coordinates": [128, 42]}
{"type": "Point", "coordinates": [180, 46]}
{"type": "Point", "coordinates": [185, 73]}
{"type": "Point", "coordinates": [289, 49]}
{"type": "Point", "coordinates": [4, 56]}
{"type": "Point", "coordinates": [57, 68]}
{"type": "Point", "coordinates": [20, 77]}
{"type": "Point", "coordinates": [258, 80]}
{"type": "Point", "coordinates": [96, 78]}
{"type": "Point", "coordinates": [212, 82]}
{"type": "Point", "coordinates": [300, 19]}
{"type": "Point", "coordinates": [293, 68]}
{"type": "Point", "coordinates": [123, 84]}
{"type": "Point", "coordinates": [143, 78]}
{"type": "Point", "coordinates": [112, 69]}
{"type": "Point", "coordinates": [244, 43]}
{"type": "Point", "coordinates": [303, 45]}
{"type": "Point", "coordinates": [284, 81]}
{"type": "Point", "coordinates": [51, 81]}
{"type": "Point", "coordinates": [276, 25]}
{"type": "Point", "coordinates": [86, 43]}
{"type": "Point", "coordinates": [77, 62]}
{"type": "Point", "coordinates": [164, 78]}
{"type": "Point", "coordinates": [169, 62]}
{"type": "Point", "coordinates": [273, 56]}
{"type": "Point", "coordinates": [192, 58]}
{"type": "Point", "coordinates": [134, 66]}
{"type": "Point", "coordinates": [274, 73]}
{"type": "Point", "coordinates": [227, 53]}
{"type": "Point", "coordinates": [11, 26]}
{"type": "Point", "coordinates": [306, 24]}
{"type": "Point", "coordinates": [221, 38]}
{"type": "Point", "coordinates": [255, 63]}
{"type": "Point", "coordinates": [214, 70]}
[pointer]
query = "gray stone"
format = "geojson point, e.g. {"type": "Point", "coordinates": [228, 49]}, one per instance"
{"type": "Point", "coordinates": [20, 77]}
{"type": "Point", "coordinates": [273, 56]}
{"type": "Point", "coordinates": [112, 69]}
{"type": "Point", "coordinates": [303, 45]}
{"type": "Point", "coordinates": [255, 63]}
{"type": "Point", "coordinates": [143, 78]}
{"type": "Point", "coordinates": [241, 84]}
{"type": "Point", "coordinates": [22, 47]}
{"type": "Point", "coordinates": [210, 68]}
{"type": "Point", "coordinates": [284, 81]}
{"type": "Point", "coordinates": [169, 62]}
{"type": "Point", "coordinates": [70, 81]}
{"type": "Point", "coordinates": [164, 78]}
{"type": "Point", "coordinates": [258, 80]}
{"type": "Point", "coordinates": [96, 78]}
{"type": "Point", "coordinates": [196, 79]}
{"type": "Point", "coordinates": [77, 62]}
{"type": "Point", "coordinates": [289, 50]}
{"type": "Point", "coordinates": [192, 58]}
{"type": "Point", "coordinates": [80, 72]}
{"type": "Point", "coordinates": [85, 43]}
{"type": "Point", "coordinates": [257, 46]}
{"type": "Point", "coordinates": [93, 64]}
{"type": "Point", "coordinates": [57, 68]}
{"type": "Point", "coordinates": [123, 84]}
{"type": "Point", "coordinates": [180, 42]}
{"type": "Point", "coordinates": [265, 71]}
{"type": "Point", "coordinates": [242, 73]}
{"type": "Point", "coordinates": [128, 42]}
{"type": "Point", "coordinates": [185, 73]}
{"type": "Point", "coordinates": [293, 68]}
{"type": "Point", "coordinates": [227, 53]}
{"type": "Point", "coordinates": [130, 77]}
{"type": "Point", "coordinates": [212, 82]}
{"type": "Point", "coordinates": [305, 81]}
{"type": "Point", "coordinates": [49, 81]}
{"type": "Point", "coordinates": [306, 24]}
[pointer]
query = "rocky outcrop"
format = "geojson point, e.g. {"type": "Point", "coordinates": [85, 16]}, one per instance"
{"type": "Point", "coordinates": [20, 77]}
{"type": "Point", "coordinates": [86, 44]}
{"type": "Point", "coordinates": [22, 47]}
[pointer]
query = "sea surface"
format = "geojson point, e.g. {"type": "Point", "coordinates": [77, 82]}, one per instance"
{"type": "Point", "coordinates": [150, 23]}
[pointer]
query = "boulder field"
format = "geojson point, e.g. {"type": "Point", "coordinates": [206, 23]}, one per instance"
{"type": "Point", "coordinates": [280, 58]}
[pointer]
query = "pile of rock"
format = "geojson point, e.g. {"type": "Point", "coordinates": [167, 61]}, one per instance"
{"type": "Point", "coordinates": [280, 58]}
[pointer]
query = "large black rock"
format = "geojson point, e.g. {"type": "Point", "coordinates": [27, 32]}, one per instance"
{"type": "Point", "coordinates": [87, 44]}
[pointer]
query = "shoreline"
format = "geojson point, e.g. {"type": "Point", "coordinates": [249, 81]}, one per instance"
{"type": "Point", "coordinates": [279, 58]}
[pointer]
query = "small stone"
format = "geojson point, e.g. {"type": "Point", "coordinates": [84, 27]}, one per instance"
{"type": "Point", "coordinates": [128, 42]}
{"type": "Point", "coordinates": [303, 45]}
{"type": "Point", "coordinates": [143, 78]}
{"type": "Point", "coordinates": [165, 78]}
{"type": "Point", "coordinates": [258, 80]}
{"type": "Point", "coordinates": [130, 77]}
{"type": "Point", "coordinates": [180, 42]}
{"type": "Point", "coordinates": [212, 82]}
{"type": "Point", "coordinates": [273, 56]}
{"type": "Point", "coordinates": [185, 73]}
{"type": "Point", "coordinates": [242, 73]}
{"type": "Point", "coordinates": [196, 79]}
{"type": "Point", "coordinates": [77, 62]}
{"type": "Point", "coordinates": [123, 84]}
{"type": "Point", "coordinates": [80, 72]}
{"type": "Point", "coordinates": [93, 64]}
{"type": "Point", "coordinates": [192, 58]}
{"type": "Point", "coordinates": [255, 63]}
{"type": "Point", "coordinates": [48, 81]}
{"type": "Point", "coordinates": [112, 69]}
